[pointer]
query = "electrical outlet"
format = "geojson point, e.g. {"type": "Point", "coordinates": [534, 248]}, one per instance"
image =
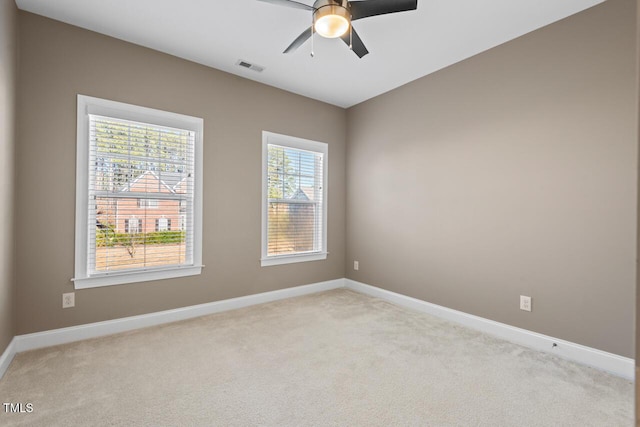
{"type": "Point", "coordinates": [356, 265]}
{"type": "Point", "coordinates": [69, 300]}
{"type": "Point", "coordinates": [525, 303]}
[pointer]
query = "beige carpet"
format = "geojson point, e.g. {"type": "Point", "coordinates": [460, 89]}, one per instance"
{"type": "Point", "coordinates": [334, 358]}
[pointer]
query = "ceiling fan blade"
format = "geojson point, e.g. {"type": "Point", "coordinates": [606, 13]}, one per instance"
{"type": "Point", "coordinates": [289, 3]}
{"type": "Point", "coordinates": [299, 41]}
{"type": "Point", "coordinates": [365, 9]}
{"type": "Point", "coordinates": [356, 43]}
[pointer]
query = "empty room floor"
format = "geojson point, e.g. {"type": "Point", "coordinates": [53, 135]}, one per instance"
{"type": "Point", "coordinates": [332, 358]}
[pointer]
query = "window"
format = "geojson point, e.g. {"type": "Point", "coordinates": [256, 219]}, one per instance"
{"type": "Point", "coordinates": [132, 225]}
{"type": "Point", "coordinates": [136, 168]}
{"type": "Point", "coordinates": [147, 203]}
{"type": "Point", "coordinates": [163, 224]}
{"type": "Point", "coordinates": [294, 194]}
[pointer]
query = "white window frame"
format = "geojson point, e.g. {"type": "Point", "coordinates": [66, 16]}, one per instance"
{"type": "Point", "coordinates": [118, 110]}
{"type": "Point", "coordinates": [300, 144]}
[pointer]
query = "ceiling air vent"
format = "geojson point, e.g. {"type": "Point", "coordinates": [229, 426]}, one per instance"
{"type": "Point", "coordinates": [254, 67]}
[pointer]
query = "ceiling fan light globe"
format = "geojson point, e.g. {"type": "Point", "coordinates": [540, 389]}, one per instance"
{"type": "Point", "coordinates": [331, 21]}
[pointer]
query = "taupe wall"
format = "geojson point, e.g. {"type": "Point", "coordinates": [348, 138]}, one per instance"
{"type": "Point", "coordinates": [58, 61]}
{"type": "Point", "coordinates": [511, 173]}
{"type": "Point", "coordinates": [8, 19]}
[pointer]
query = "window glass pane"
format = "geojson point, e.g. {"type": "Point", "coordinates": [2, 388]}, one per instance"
{"type": "Point", "coordinates": [123, 240]}
{"type": "Point", "coordinates": [294, 209]}
{"type": "Point", "coordinates": [141, 180]}
{"type": "Point", "coordinates": [291, 228]}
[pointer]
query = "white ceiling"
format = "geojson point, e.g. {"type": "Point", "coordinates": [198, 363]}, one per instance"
{"type": "Point", "coordinates": [403, 46]}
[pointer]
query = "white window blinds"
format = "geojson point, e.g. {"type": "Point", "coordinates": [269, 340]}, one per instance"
{"type": "Point", "coordinates": [139, 176]}
{"type": "Point", "coordinates": [295, 199]}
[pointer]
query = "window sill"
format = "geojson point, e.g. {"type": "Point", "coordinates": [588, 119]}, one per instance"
{"type": "Point", "coordinates": [120, 278]}
{"type": "Point", "coordinates": [290, 259]}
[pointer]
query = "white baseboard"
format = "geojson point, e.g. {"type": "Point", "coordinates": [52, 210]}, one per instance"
{"type": "Point", "coordinates": [7, 356]}
{"type": "Point", "coordinates": [108, 327]}
{"type": "Point", "coordinates": [617, 365]}
{"type": "Point", "coordinates": [609, 362]}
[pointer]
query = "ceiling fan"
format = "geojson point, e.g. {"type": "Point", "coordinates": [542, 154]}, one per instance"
{"type": "Point", "coordinates": [332, 19]}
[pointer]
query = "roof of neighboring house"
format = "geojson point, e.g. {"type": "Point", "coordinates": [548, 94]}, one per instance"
{"type": "Point", "coordinates": [183, 178]}
{"type": "Point", "coordinates": [308, 191]}
{"type": "Point", "coordinates": [169, 179]}
{"type": "Point", "coordinates": [300, 195]}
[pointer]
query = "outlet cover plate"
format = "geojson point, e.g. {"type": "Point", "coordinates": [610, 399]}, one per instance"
{"type": "Point", "coordinates": [525, 303]}
{"type": "Point", "coordinates": [69, 300]}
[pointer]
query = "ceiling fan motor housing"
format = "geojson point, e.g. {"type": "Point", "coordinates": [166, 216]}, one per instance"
{"type": "Point", "coordinates": [331, 18]}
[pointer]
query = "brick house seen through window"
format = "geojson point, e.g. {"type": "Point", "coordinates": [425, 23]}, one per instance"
{"type": "Point", "coordinates": [158, 215]}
